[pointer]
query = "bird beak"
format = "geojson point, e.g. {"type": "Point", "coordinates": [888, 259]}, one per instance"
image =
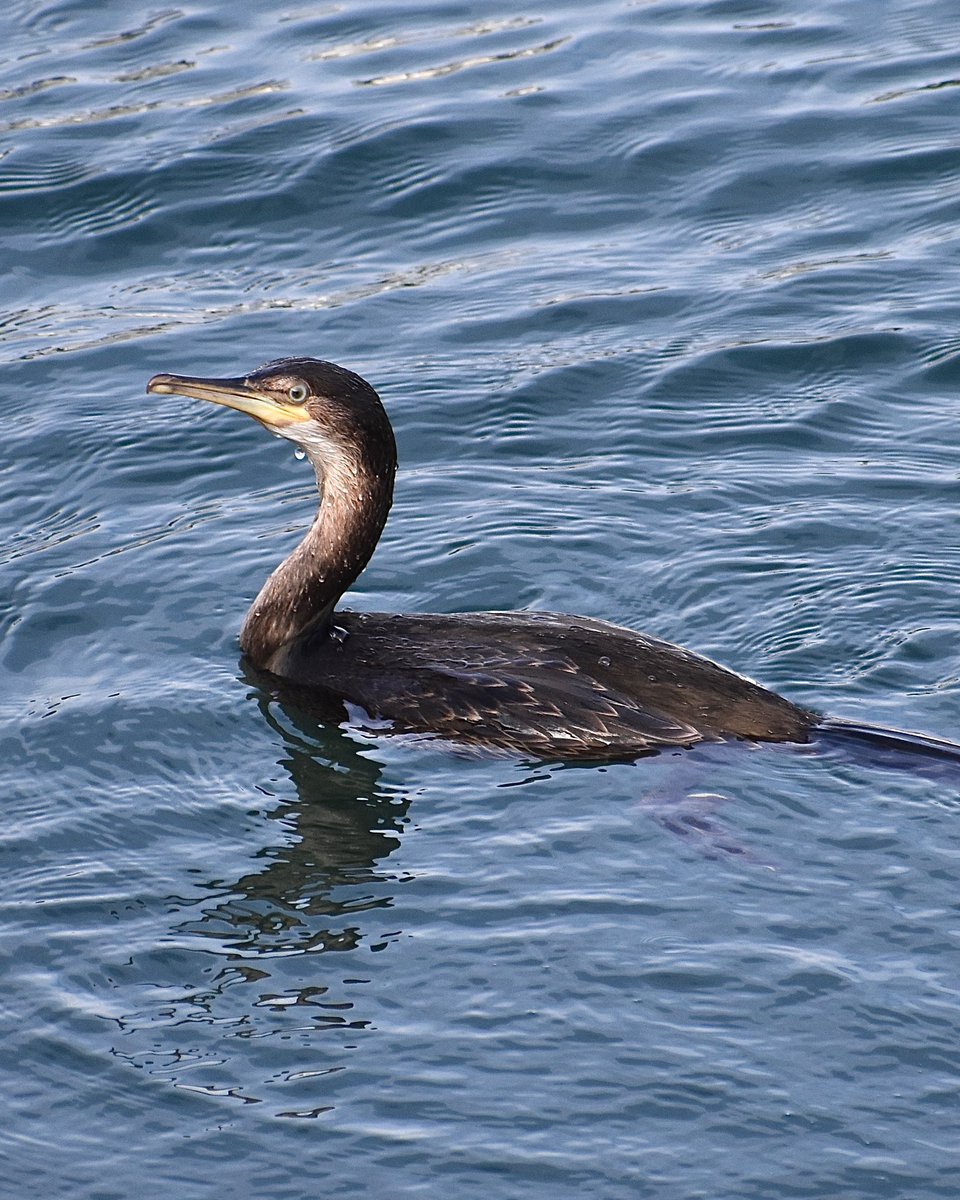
{"type": "Point", "coordinates": [233, 393]}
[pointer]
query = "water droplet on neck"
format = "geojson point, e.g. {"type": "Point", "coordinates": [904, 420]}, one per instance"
{"type": "Point", "coordinates": [299, 454]}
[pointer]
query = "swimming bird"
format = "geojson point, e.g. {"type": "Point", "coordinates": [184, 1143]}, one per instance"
{"type": "Point", "coordinates": [541, 684]}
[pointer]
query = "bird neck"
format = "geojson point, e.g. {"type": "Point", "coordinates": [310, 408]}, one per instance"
{"type": "Point", "coordinates": [298, 599]}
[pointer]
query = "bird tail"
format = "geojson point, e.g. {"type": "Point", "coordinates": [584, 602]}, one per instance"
{"type": "Point", "coordinates": [838, 730]}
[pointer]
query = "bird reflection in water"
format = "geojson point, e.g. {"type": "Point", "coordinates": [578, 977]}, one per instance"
{"type": "Point", "coordinates": [270, 976]}
{"type": "Point", "coordinates": [315, 887]}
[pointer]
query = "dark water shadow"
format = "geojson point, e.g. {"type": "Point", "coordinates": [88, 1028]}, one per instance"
{"type": "Point", "coordinates": [271, 1009]}
{"type": "Point", "coordinates": [326, 869]}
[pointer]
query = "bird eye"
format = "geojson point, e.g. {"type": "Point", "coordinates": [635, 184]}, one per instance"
{"type": "Point", "coordinates": [298, 393]}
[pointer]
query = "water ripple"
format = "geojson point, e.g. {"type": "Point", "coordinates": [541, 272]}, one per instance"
{"type": "Point", "coordinates": [128, 35]}
{"type": "Point", "coordinates": [463, 64]}
{"type": "Point", "coordinates": [393, 41]}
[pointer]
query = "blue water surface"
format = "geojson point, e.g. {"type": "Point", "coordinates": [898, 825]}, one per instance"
{"type": "Point", "coordinates": [664, 301]}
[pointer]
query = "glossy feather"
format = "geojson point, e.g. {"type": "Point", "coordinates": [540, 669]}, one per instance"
{"type": "Point", "coordinates": [543, 684]}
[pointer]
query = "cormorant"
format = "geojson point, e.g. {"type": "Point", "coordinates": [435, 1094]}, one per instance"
{"type": "Point", "coordinates": [538, 683]}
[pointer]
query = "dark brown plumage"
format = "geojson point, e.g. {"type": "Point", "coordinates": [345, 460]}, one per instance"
{"type": "Point", "coordinates": [552, 686]}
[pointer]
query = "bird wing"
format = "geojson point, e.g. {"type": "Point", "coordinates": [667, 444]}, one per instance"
{"type": "Point", "coordinates": [549, 707]}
